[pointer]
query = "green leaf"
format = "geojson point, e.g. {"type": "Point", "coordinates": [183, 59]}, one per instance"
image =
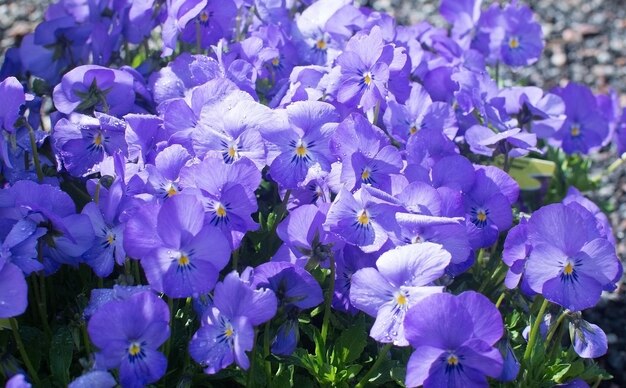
{"type": "Point", "coordinates": [61, 353]}
{"type": "Point", "coordinates": [350, 345]}
{"type": "Point", "coordinates": [35, 343]}
{"type": "Point", "coordinates": [4, 324]}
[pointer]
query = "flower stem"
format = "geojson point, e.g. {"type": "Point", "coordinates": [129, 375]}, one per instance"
{"type": "Point", "coordinates": [33, 146]}
{"type": "Point", "coordinates": [168, 343]}
{"type": "Point", "coordinates": [500, 299]}
{"type": "Point", "coordinates": [22, 350]}
{"type": "Point", "coordinates": [534, 330]}
{"type": "Point", "coordinates": [382, 355]}
{"type": "Point", "coordinates": [252, 361]}
{"type": "Point", "coordinates": [554, 328]}
{"type": "Point", "coordinates": [266, 353]}
{"type": "Point", "coordinates": [329, 298]}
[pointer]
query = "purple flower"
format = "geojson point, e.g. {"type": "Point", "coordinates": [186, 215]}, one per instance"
{"type": "Point", "coordinates": [589, 340]}
{"type": "Point", "coordinates": [366, 156]}
{"type": "Point", "coordinates": [454, 338]}
{"type": "Point", "coordinates": [516, 250]}
{"type": "Point", "coordinates": [603, 224]}
{"type": "Point", "coordinates": [128, 334]}
{"type": "Point", "coordinates": [234, 132]}
{"type": "Point", "coordinates": [163, 176]}
{"type": "Point", "coordinates": [13, 97]}
{"type": "Point", "coordinates": [92, 87]}
{"type": "Point", "coordinates": [361, 220]}
{"type": "Point", "coordinates": [488, 206]}
{"type": "Point", "coordinates": [95, 378]}
{"type": "Point", "coordinates": [417, 113]}
{"type": "Point", "coordinates": [365, 66]}
{"type": "Point", "coordinates": [227, 194]}
{"type": "Point", "coordinates": [18, 381]}
{"type": "Point", "coordinates": [82, 141]}
{"type": "Point", "coordinates": [302, 142]}
{"type": "Point", "coordinates": [188, 256]}
{"type": "Point", "coordinates": [570, 262]}
{"type": "Point", "coordinates": [402, 277]}
{"type": "Point", "coordinates": [108, 247]}
{"type": "Point", "coordinates": [585, 127]}
{"type": "Point", "coordinates": [13, 290]}
{"type": "Point", "coordinates": [18, 243]}
{"type": "Point", "coordinates": [303, 236]}
{"type": "Point", "coordinates": [227, 330]}
{"type": "Point", "coordinates": [522, 43]}
{"type": "Point", "coordinates": [296, 290]}
{"type": "Point", "coordinates": [348, 260]}
{"type": "Point", "coordinates": [292, 284]}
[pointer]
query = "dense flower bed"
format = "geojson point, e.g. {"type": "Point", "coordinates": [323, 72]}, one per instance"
{"type": "Point", "coordinates": [275, 193]}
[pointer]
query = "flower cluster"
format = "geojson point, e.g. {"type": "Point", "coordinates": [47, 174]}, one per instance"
{"type": "Point", "coordinates": [332, 161]}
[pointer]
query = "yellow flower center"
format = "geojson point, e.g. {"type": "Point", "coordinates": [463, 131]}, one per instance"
{"type": "Point", "coordinates": [276, 61]}
{"type": "Point", "coordinates": [172, 191]}
{"type": "Point", "coordinates": [204, 17]}
{"type": "Point", "coordinates": [220, 210]}
{"type": "Point", "coordinates": [183, 260]}
{"type": "Point", "coordinates": [363, 218]}
{"type": "Point", "coordinates": [367, 78]}
{"type": "Point", "coordinates": [481, 216]}
{"type": "Point", "coordinates": [413, 130]}
{"type": "Point", "coordinates": [514, 42]}
{"type": "Point", "coordinates": [229, 332]}
{"type": "Point", "coordinates": [301, 149]}
{"type": "Point", "coordinates": [568, 269]}
{"type": "Point", "coordinates": [320, 44]}
{"type": "Point", "coordinates": [232, 151]}
{"type": "Point", "coordinates": [574, 130]}
{"type": "Point", "coordinates": [365, 175]}
{"type": "Point", "coordinates": [98, 139]}
{"type": "Point", "coordinates": [401, 299]}
{"type": "Point", "coordinates": [110, 239]}
{"type": "Point", "coordinates": [453, 360]}
{"type": "Point", "coordinates": [134, 349]}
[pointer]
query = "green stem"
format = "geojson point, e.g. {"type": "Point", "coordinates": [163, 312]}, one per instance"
{"type": "Point", "coordinates": [96, 195]}
{"type": "Point", "coordinates": [329, 298]}
{"type": "Point", "coordinates": [137, 274]}
{"type": "Point", "coordinates": [198, 39]}
{"type": "Point", "coordinates": [534, 330]}
{"type": "Point", "coordinates": [266, 353]}
{"type": "Point", "coordinates": [597, 383]}
{"type": "Point", "coordinates": [616, 163]}
{"type": "Point", "coordinates": [235, 259]}
{"type": "Point", "coordinates": [554, 328]}
{"type": "Point", "coordinates": [382, 355]}
{"type": "Point", "coordinates": [83, 327]}
{"type": "Point", "coordinates": [376, 113]}
{"type": "Point", "coordinates": [33, 146]}
{"type": "Point", "coordinates": [500, 299]}
{"type": "Point", "coordinates": [249, 382]}
{"type": "Point", "coordinates": [22, 350]}
{"type": "Point", "coordinates": [168, 343]}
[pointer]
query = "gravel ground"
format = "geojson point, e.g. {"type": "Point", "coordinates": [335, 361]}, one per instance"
{"type": "Point", "coordinates": [585, 42]}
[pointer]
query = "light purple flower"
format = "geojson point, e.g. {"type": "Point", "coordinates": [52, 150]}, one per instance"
{"type": "Point", "coordinates": [454, 338]}
{"type": "Point", "coordinates": [128, 334]}
{"type": "Point", "coordinates": [401, 279]}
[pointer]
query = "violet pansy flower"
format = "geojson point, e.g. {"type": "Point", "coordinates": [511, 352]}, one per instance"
{"type": "Point", "coordinates": [227, 330]}
{"type": "Point", "coordinates": [302, 142]}
{"type": "Point", "coordinates": [570, 262]}
{"type": "Point", "coordinates": [95, 87]}
{"type": "Point", "coordinates": [128, 334]}
{"type": "Point", "coordinates": [454, 339]}
{"type": "Point", "coordinates": [187, 255]}
{"type": "Point", "coordinates": [402, 277]}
